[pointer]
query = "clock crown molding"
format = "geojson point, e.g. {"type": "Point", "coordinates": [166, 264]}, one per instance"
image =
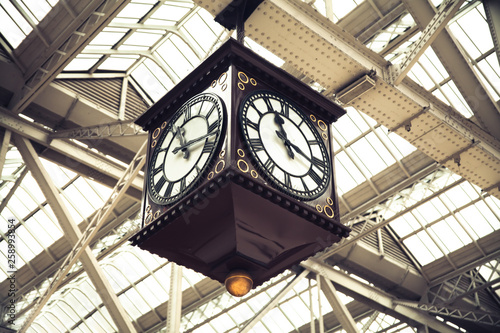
{"type": "Point", "coordinates": [233, 53]}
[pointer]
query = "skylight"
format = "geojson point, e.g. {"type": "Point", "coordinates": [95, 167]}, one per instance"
{"type": "Point", "coordinates": [20, 17]}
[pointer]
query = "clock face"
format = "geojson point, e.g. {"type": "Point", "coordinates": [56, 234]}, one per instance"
{"type": "Point", "coordinates": [184, 148]}
{"type": "Point", "coordinates": [285, 145]}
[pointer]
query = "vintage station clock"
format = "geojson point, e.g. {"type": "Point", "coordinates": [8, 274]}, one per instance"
{"type": "Point", "coordinates": [284, 144]}
{"type": "Point", "coordinates": [185, 147]}
{"type": "Point", "coordinates": [239, 182]}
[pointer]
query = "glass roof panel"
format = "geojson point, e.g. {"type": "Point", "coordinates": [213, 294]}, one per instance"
{"type": "Point", "coordinates": [18, 22]}
{"type": "Point", "coordinates": [135, 10]}
{"type": "Point", "coordinates": [108, 37]}
{"type": "Point", "coordinates": [118, 63]}
{"type": "Point", "coordinates": [170, 13]}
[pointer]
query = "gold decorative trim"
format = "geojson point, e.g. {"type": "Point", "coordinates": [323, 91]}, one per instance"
{"type": "Point", "coordinates": [222, 153]}
{"type": "Point", "coordinates": [163, 125]}
{"type": "Point", "coordinates": [313, 117]}
{"type": "Point", "coordinates": [156, 133]}
{"type": "Point", "coordinates": [157, 213]}
{"type": "Point", "coordinates": [214, 83]}
{"type": "Point", "coordinates": [153, 144]}
{"type": "Point", "coordinates": [243, 80]}
{"type": "Point", "coordinates": [241, 86]}
{"type": "Point", "coordinates": [241, 153]}
{"type": "Point", "coordinates": [220, 163]}
{"type": "Point", "coordinates": [224, 87]}
{"type": "Point", "coordinates": [222, 78]}
{"type": "Point", "coordinates": [245, 170]}
{"type": "Point", "coordinates": [322, 125]}
{"type": "Point", "coordinates": [148, 219]}
{"type": "Point", "coordinates": [329, 201]}
{"type": "Point", "coordinates": [319, 208]}
{"type": "Point", "coordinates": [329, 214]}
{"type": "Point", "coordinates": [148, 208]}
{"type": "Point", "coordinates": [210, 175]}
{"type": "Point", "coordinates": [324, 136]}
{"type": "Point", "coordinates": [253, 82]}
{"type": "Point", "coordinates": [254, 174]}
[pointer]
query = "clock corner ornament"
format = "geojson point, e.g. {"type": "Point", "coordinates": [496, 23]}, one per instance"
{"type": "Point", "coordinates": [239, 182]}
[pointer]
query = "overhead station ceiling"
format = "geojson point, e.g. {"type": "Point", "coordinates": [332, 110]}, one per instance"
{"type": "Point", "coordinates": [417, 159]}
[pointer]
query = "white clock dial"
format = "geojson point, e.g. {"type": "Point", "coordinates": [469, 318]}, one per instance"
{"type": "Point", "coordinates": [285, 145]}
{"type": "Point", "coordinates": [185, 147]}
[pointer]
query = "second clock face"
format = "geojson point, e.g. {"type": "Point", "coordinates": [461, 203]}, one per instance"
{"type": "Point", "coordinates": [185, 147]}
{"type": "Point", "coordinates": [285, 145]}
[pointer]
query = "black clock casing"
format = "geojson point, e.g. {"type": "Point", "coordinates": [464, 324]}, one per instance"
{"type": "Point", "coordinates": [238, 214]}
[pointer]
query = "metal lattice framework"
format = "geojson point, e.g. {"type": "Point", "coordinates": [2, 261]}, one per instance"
{"type": "Point", "coordinates": [427, 122]}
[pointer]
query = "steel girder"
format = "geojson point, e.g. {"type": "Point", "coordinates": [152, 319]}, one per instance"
{"type": "Point", "coordinates": [75, 237]}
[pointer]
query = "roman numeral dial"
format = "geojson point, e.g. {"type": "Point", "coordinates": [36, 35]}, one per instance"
{"type": "Point", "coordinates": [285, 145]}
{"type": "Point", "coordinates": [185, 148]}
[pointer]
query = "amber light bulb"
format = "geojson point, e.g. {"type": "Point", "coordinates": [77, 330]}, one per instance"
{"type": "Point", "coordinates": [238, 283]}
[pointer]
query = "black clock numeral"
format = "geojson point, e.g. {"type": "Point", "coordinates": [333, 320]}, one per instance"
{"type": "Point", "coordinates": [158, 185]}
{"type": "Point", "coordinates": [269, 165]}
{"type": "Point", "coordinates": [213, 126]}
{"type": "Point", "coordinates": [320, 164]}
{"type": "Point", "coordinates": [268, 104]}
{"type": "Point", "coordinates": [288, 180]}
{"type": "Point", "coordinates": [187, 113]}
{"type": "Point", "coordinates": [169, 189]}
{"type": "Point", "coordinates": [313, 142]}
{"type": "Point", "coordinates": [209, 146]}
{"type": "Point", "coordinates": [157, 170]}
{"type": "Point", "coordinates": [284, 109]}
{"type": "Point", "coordinates": [252, 125]}
{"type": "Point", "coordinates": [210, 111]}
{"type": "Point", "coordinates": [183, 184]}
{"type": "Point", "coordinates": [256, 144]}
{"type": "Point", "coordinates": [315, 177]}
{"type": "Point", "coordinates": [201, 107]}
{"type": "Point", "coordinates": [255, 108]}
{"type": "Point", "coordinates": [306, 189]}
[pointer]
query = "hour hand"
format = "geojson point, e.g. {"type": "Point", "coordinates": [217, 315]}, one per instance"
{"type": "Point", "coordinates": [184, 146]}
{"type": "Point", "coordinates": [179, 133]}
{"type": "Point", "coordinates": [282, 136]}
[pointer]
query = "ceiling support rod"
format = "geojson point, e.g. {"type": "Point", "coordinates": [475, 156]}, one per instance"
{"type": "Point", "coordinates": [445, 13]}
{"type": "Point", "coordinates": [320, 310]}
{"type": "Point", "coordinates": [374, 297]}
{"type": "Point", "coordinates": [492, 9]}
{"type": "Point", "coordinates": [456, 62]}
{"type": "Point", "coordinates": [339, 308]}
{"type": "Point", "coordinates": [4, 148]}
{"type": "Point", "coordinates": [80, 241]}
{"type": "Point", "coordinates": [274, 301]}
{"type": "Point", "coordinates": [174, 306]}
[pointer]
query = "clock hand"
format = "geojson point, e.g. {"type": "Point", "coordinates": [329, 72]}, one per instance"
{"type": "Point", "coordinates": [179, 133]}
{"type": "Point", "coordinates": [282, 134]}
{"type": "Point", "coordinates": [286, 142]}
{"type": "Point", "coordinates": [190, 142]}
{"type": "Point", "coordinates": [298, 150]}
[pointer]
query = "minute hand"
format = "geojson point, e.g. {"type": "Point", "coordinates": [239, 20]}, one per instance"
{"type": "Point", "coordinates": [190, 142]}
{"type": "Point", "coordinates": [298, 150]}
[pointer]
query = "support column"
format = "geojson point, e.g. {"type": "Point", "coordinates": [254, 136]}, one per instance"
{"type": "Point", "coordinates": [73, 234]}
{"type": "Point", "coordinates": [339, 308]}
{"type": "Point", "coordinates": [174, 307]}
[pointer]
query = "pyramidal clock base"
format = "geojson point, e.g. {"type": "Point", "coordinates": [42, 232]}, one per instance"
{"type": "Point", "coordinates": [235, 224]}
